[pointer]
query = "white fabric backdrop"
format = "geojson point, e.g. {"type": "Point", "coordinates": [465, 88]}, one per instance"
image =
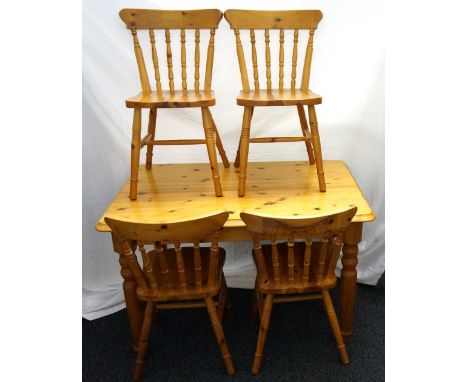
{"type": "Point", "coordinates": [347, 70]}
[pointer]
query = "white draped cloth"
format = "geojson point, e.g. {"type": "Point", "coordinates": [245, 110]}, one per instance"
{"type": "Point", "coordinates": [347, 71]}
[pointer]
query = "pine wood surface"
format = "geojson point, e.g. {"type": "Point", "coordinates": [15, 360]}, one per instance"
{"type": "Point", "coordinates": [259, 23]}
{"type": "Point", "coordinates": [247, 19]}
{"type": "Point", "coordinates": [166, 99]}
{"type": "Point", "coordinates": [183, 21]}
{"type": "Point", "coordinates": [294, 268]}
{"type": "Point", "coordinates": [162, 19]}
{"type": "Point", "coordinates": [276, 97]}
{"type": "Point", "coordinates": [179, 275]}
{"type": "Point", "coordinates": [182, 191]}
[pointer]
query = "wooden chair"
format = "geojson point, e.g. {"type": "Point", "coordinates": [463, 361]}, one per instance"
{"type": "Point", "coordinates": [283, 96]}
{"type": "Point", "coordinates": [296, 271]}
{"type": "Point", "coordinates": [150, 20]}
{"type": "Point", "coordinates": [182, 277]}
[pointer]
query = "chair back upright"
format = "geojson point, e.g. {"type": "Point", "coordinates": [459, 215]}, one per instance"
{"type": "Point", "coordinates": [328, 228]}
{"type": "Point", "coordinates": [151, 20]}
{"type": "Point", "coordinates": [296, 20]}
{"type": "Point", "coordinates": [134, 236]}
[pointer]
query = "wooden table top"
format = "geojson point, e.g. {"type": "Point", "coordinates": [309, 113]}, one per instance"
{"type": "Point", "coordinates": [172, 192]}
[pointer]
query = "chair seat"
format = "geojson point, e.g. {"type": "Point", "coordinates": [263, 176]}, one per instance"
{"type": "Point", "coordinates": [298, 285]}
{"type": "Point", "coordinates": [274, 97]}
{"type": "Point", "coordinates": [166, 99]}
{"type": "Point", "coordinates": [169, 287]}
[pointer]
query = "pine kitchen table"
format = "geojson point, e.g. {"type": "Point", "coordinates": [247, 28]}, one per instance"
{"type": "Point", "coordinates": [180, 191]}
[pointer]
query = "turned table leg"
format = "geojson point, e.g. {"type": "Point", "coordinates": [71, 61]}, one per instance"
{"type": "Point", "coordinates": [348, 278]}
{"type": "Point", "coordinates": [134, 305]}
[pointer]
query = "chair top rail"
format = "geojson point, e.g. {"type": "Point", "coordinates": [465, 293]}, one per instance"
{"type": "Point", "coordinates": [183, 231]}
{"type": "Point", "coordinates": [293, 19]}
{"type": "Point", "coordinates": [163, 19]}
{"type": "Point", "coordinates": [298, 225]}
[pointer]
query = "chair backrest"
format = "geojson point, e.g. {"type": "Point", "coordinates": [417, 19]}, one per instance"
{"type": "Point", "coordinates": [135, 235]}
{"type": "Point", "coordinates": [296, 20]}
{"type": "Point", "coordinates": [150, 19]}
{"type": "Point", "coordinates": [329, 228]}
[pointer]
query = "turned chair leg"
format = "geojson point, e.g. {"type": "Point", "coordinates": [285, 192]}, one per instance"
{"type": "Point", "coordinates": [152, 131]}
{"type": "Point", "coordinates": [260, 302]}
{"type": "Point", "coordinates": [218, 142]}
{"type": "Point", "coordinates": [257, 303]}
{"type": "Point", "coordinates": [330, 310]}
{"type": "Point", "coordinates": [254, 306]}
{"type": "Point", "coordinates": [219, 333]}
{"type": "Point", "coordinates": [221, 302]}
{"type": "Point", "coordinates": [317, 147]}
{"type": "Point", "coordinates": [254, 303]}
{"type": "Point", "coordinates": [262, 334]}
{"type": "Point", "coordinates": [227, 307]}
{"type": "Point", "coordinates": [237, 161]}
{"type": "Point", "coordinates": [135, 153]}
{"type": "Point", "coordinates": [144, 336]}
{"type": "Point", "coordinates": [306, 133]}
{"type": "Point", "coordinates": [244, 149]}
{"type": "Point", "coordinates": [211, 147]}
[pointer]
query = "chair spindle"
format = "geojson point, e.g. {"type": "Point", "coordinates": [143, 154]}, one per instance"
{"type": "Point", "coordinates": [163, 263]}
{"type": "Point", "coordinates": [169, 60]}
{"type": "Point", "coordinates": [294, 60]}
{"type": "Point", "coordinates": [147, 265]}
{"type": "Point", "coordinates": [281, 61]}
{"type": "Point", "coordinates": [268, 58]}
{"type": "Point", "coordinates": [134, 265]}
{"type": "Point", "coordinates": [307, 255]}
{"type": "Point", "coordinates": [180, 265]}
{"type": "Point", "coordinates": [213, 263]}
{"type": "Point", "coordinates": [275, 258]}
{"type": "Point", "coordinates": [335, 253]}
{"type": "Point", "coordinates": [291, 258]}
{"type": "Point", "coordinates": [197, 60]}
{"type": "Point", "coordinates": [322, 259]}
{"type": "Point", "coordinates": [197, 264]}
{"type": "Point", "coordinates": [254, 59]}
{"type": "Point", "coordinates": [183, 55]}
{"type": "Point", "coordinates": [154, 54]}
{"type": "Point", "coordinates": [209, 62]}
{"type": "Point", "coordinates": [307, 62]}
{"type": "Point", "coordinates": [144, 80]}
{"type": "Point", "coordinates": [241, 59]}
{"type": "Point", "coordinates": [259, 259]}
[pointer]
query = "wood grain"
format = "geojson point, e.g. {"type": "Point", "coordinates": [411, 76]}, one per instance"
{"type": "Point", "coordinates": [276, 97]}
{"type": "Point", "coordinates": [170, 275]}
{"type": "Point", "coordinates": [166, 99]}
{"type": "Point", "coordinates": [247, 19]}
{"type": "Point", "coordinates": [182, 191]}
{"type": "Point", "coordinates": [173, 98]}
{"type": "Point", "coordinates": [180, 19]}
{"type": "Point", "coordinates": [296, 269]}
